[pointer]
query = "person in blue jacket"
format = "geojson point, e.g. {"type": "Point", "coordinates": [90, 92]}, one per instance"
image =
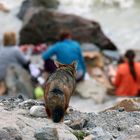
{"type": "Point", "coordinates": [66, 51]}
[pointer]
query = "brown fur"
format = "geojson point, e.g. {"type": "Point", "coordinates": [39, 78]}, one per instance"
{"type": "Point", "coordinates": [58, 89]}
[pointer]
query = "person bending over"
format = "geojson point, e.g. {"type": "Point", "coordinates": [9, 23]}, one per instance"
{"type": "Point", "coordinates": [66, 51]}
{"type": "Point", "coordinates": [127, 80]}
{"type": "Point", "coordinates": [13, 66]}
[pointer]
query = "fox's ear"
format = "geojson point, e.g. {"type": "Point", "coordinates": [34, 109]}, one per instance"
{"type": "Point", "coordinates": [58, 64]}
{"type": "Point", "coordinates": [74, 64]}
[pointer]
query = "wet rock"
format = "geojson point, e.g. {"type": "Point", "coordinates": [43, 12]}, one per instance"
{"type": "Point", "coordinates": [45, 26]}
{"type": "Point", "coordinates": [38, 111]}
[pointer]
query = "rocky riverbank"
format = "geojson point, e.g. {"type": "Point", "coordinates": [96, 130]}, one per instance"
{"type": "Point", "coordinates": [27, 120]}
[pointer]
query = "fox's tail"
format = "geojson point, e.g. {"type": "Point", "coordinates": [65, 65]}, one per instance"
{"type": "Point", "coordinates": [57, 114]}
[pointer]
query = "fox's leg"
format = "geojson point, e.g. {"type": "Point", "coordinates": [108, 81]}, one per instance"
{"type": "Point", "coordinates": [48, 113]}
{"type": "Point", "coordinates": [62, 120]}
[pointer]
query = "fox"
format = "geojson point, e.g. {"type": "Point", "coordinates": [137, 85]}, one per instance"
{"type": "Point", "coordinates": [59, 88]}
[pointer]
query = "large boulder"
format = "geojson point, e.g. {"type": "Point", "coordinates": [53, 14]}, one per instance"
{"type": "Point", "coordinates": [45, 26]}
{"type": "Point", "coordinates": [27, 4]}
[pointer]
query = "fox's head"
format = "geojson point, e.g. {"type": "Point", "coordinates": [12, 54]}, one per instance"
{"type": "Point", "coordinates": [68, 67]}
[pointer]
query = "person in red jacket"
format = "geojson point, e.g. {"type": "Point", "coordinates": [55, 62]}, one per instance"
{"type": "Point", "coordinates": [127, 80]}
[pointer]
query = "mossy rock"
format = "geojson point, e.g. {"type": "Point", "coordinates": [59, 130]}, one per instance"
{"type": "Point", "coordinates": [80, 134]}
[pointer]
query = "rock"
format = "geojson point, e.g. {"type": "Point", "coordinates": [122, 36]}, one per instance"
{"type": "Point", "coordinates": [69, 110]}
{"type": "Point", "coordinates": [75, 115]}
{"type": "Point", "coordinates": [78, 124]}
{"type": "Point", "coordinates": [98, 131]}
{"type": "Point", "coordinates": [99, 134]}
{"type": "Point", "coordinates": [10, 103]}
{"type": "Point", "coordinates": [9, 133]}
{"type": "Point", "coordinates": [80, 134]}
{"type": "Point", "coordinates": [4, 134]}
{"type": "Point", "coordinates": [27, 4]}
{"type": "Point", "coordinates": [45, 134]}
{"type": "Point", "coordinates": [54, 132]}
{"type": "Point", "coordinates": [28, 104]}
{"type": "Point", "coordinates": [91, 89]}
{"type": "Point", "coordinates": [67, 122]}
{"type": "Point", "coordinates": [38, 111]}
{"type": "Point", "coordinates": [65, 135]}
{"type": "Point", "coordinates": [128, 104]}
{"type": "Point", "coordinates": [45, 26]}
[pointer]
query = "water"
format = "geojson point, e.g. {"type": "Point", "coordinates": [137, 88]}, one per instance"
{"type": "Point", "coordinates": [120, 21]}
